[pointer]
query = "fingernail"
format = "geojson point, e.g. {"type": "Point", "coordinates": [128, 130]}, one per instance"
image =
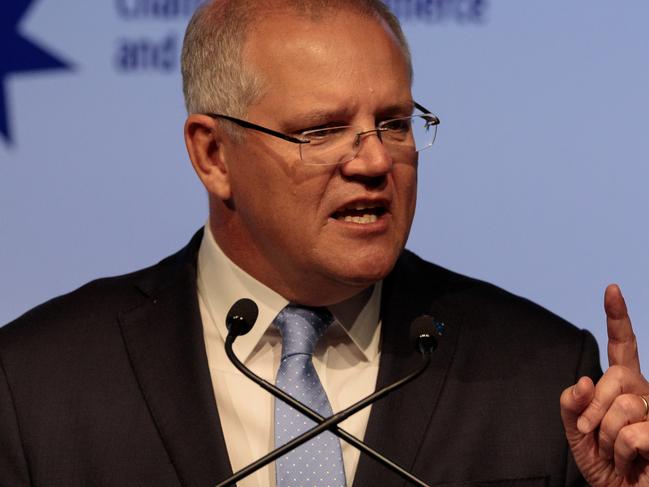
{"type": "Point", "coordinates": [583, 424]}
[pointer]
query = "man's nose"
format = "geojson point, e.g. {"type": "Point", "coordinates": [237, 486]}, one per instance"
{"type": "Point", "coordinates": [372, 159]}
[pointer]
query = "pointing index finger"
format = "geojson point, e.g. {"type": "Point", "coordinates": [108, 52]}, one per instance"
{"type": "Point", "coordinates": [622, 345]}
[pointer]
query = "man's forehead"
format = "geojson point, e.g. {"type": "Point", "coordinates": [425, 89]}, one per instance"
{"type": "Point", "coordinates": [288, 31]}
{"type": "Point", "coordinates": [314, 75]}
{"type": "Point", "coordinates": [291, 47]}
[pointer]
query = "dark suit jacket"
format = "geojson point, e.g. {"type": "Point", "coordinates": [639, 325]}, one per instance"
{"type": "Point", "coordinates": [109, 386]}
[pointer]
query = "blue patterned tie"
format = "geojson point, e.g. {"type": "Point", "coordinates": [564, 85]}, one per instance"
{"type": "Point", "coordinates": [319, 461]}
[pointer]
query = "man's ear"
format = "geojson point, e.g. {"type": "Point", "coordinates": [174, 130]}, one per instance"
{"type": "Point", "coordinates": [204, 143]}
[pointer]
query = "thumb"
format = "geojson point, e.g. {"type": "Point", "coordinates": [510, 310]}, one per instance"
{"type": "Point", "coordinates": [596, 470]}
{"type": "Point", "coordinates": [574, 401]}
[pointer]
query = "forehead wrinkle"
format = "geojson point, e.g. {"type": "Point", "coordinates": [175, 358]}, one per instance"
{"type": "Point", "coordinates": [348, 110]}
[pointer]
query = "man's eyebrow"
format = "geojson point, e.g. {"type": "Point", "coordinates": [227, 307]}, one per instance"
{"type": "Point", "coordinates": [343, 113]}
{"type": "Point", "coordinates": [400, 108]}
{"type": "Point", "coordinates": [324, 114]}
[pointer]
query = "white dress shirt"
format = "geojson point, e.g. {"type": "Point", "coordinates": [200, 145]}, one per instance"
{"type": "Point", "coordinates": [346, 360]}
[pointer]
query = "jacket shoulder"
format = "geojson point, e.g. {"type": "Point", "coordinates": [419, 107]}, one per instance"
{"type": "Point", "coordinates": [98, 302]}
{"type": "Point", "coordinates": [487, 307]}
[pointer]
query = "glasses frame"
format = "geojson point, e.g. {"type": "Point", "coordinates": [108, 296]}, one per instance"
{"type": "Point", "coordinates": [296, 140]}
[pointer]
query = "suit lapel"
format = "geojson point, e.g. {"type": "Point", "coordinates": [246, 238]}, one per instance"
{"type": "Point", "coordinates": [399, 422]}
{"type": "Point", "coordinates": [164, 340]}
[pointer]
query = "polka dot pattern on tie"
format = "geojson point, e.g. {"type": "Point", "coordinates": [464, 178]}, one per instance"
{"type": "Point", "coordinates": [318, 462]}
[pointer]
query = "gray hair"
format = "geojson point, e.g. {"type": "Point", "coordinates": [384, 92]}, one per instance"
{"type": "Point", "coordinates": [215, 79]}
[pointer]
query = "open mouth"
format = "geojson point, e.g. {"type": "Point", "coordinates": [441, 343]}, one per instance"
{"type": "Point", "coordinates": [360, 213]}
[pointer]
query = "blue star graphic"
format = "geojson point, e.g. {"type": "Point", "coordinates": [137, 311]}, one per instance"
{"type": "Point", "coordinates": [17, 54]}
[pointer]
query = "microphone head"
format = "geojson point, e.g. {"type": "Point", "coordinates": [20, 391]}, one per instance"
{"type": "Point", "coordinates": [423, 332]}
{"type": "Point", "coordinates": [241, 317]}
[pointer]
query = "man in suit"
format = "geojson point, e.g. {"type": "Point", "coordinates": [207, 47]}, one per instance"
{"type": "Point", "coordinates": [300, 128]}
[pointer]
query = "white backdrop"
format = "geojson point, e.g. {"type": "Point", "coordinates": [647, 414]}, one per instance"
{"type": "Point", "coordinates": [537, 181]}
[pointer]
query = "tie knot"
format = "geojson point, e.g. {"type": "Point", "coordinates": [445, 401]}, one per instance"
{"type": "Point", "coordinates": [301, 328]}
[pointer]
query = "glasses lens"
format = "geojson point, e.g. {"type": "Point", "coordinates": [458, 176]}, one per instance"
{"type": "Point", "coordinates": [338, 145]}
{"type": "Point", "coordinates": [414, 133]}
{"type": "Point", "coordinates": [425, 130]}
{"type": "Point", "coordinates": [329, 146]}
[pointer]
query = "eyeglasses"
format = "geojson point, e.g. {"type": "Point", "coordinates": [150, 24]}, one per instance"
{"type": "Point", "coordinates": [340, 144]}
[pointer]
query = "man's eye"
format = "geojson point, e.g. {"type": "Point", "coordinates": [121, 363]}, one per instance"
{"type": "Point", "coordinates": [398, 125]}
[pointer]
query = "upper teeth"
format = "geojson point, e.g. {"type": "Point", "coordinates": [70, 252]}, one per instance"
{"type": "Point", "coordinates": [369, 218]}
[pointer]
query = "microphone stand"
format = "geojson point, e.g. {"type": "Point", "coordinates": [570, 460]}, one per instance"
{"type": "Point", "coordinates": [330, 423]}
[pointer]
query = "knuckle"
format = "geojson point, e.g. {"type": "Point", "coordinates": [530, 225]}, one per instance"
{"type": "Point", "coordinates": [628, 436]}
{"type": "Point", "coordinates": [627, 404]}
{"type": "Point", "coordinates": [596, 406]}
{"type": "Point", "coordinates": [616, 372]}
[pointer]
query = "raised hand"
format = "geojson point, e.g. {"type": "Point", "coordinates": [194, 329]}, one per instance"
{"type": "Point", "coordinates": [606, 424]}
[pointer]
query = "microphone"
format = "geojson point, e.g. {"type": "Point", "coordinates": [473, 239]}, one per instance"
{"type": "Point", "coordinates": [241, 318]}
{"type": "Point", "coordinates": [422, 333]}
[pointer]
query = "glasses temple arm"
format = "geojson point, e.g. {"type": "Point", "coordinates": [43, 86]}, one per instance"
{"type": "Point", "coordinates": [258, 128]}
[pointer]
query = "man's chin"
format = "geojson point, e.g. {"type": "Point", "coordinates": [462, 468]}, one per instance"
{"type": "Point", "coordinates": [366, 270]}
{"type": "Point", "coordinates": [334, 275]}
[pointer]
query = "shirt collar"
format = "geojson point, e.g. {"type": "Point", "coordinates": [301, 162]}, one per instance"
{"type": "Point", "coordinates": [221, 283]}
{"type": "Point", "coordinates": [359, 317]}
